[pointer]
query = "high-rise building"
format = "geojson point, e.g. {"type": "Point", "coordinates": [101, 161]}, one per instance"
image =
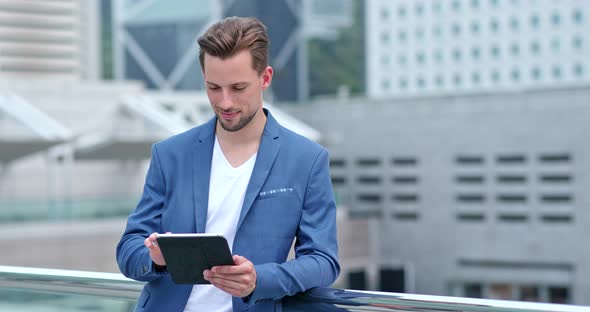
{"type": "Point", "coordinates": [155, 41]}
{"type": "Point", "coordinates": [53, 39]}
{"type": "Point", "coordinates": [417, 47]}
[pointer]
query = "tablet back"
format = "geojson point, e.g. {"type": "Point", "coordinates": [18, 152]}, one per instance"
{"type": "Point", "coordinates": [188, 255]}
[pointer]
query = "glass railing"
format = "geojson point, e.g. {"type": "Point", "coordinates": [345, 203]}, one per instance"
{"type": "Point", "coordinates": [78, 209]}
{"type": "Point", "coordinates": [48, 290]}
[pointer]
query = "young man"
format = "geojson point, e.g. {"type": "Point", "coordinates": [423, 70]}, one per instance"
{"type": "Point", "coordinates": [242, 175]}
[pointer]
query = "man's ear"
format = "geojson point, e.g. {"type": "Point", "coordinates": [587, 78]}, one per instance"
{"type": "Point", "coordinates": [267, 77]}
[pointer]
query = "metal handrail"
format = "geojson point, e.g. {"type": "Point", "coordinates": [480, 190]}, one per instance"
{"type": "Point", "coordinates": [116, 286]}
{"type": "Point", "coordinates": [109, 285]}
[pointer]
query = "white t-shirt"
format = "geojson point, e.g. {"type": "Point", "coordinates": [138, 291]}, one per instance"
{"type": "Point", "coordinates": [227, 188]}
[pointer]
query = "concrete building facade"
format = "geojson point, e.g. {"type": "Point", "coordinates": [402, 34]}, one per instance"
{"type": "Point", "coordinates": [478, 196]}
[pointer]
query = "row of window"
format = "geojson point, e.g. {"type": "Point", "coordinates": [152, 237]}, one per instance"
{"type": "Point", "coordinates": [514, 24]}
{"type": "Point", "coordinates": [476, 78]}
{"type": "Point", "coordinates": [476, 53]}
{"type": "Point", "coordinates": [375, 162]}
{"type": "Point", "coordinates": [480, 217]}
{"type": "Point", "coordinates": [505, 178]}
{"type": "Point", "coordinates": [556, 16]}
{"type": "Point", "coordinates": [518, 198]}
{"type": "Point", "coordinates": [470, 198]}
{"type": "Point", "coordinates": [464, 217]}
{"type": "Point", "coordinates": [509, 291]}
{"type": "Point", "coordinates": [465, 159]}
{"type": "Point", "coordinates": [403, 35]}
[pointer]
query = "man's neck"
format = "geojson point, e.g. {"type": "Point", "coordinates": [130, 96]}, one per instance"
{"type": "Point", "coordinates": [239, 146]}
{"type": "Point", "coordinates": [251, 133]}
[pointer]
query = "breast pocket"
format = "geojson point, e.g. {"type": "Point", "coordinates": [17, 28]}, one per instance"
{"type": "Point", "coordinates": [275, 192]}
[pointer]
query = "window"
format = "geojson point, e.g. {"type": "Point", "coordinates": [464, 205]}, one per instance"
{"type": "Point", "coordinates": [456, 5]}
{"type": "Point", "coordinates": [556, 19]}
{"type": "Point", "coordinates": [420, 82]}
{"type": "Point", "coordinates": [367, 162]}
{"type": "Point", "coordinates": [529, 293]}
{"type": "Point", "coordinates": [578, 17]}
{"type": "Point", "coordinates": [535, 73]}
{"type": "Point", "coordinates": [535, 21]}
{"type": "Point", "coordinates": [556, 72]}
{"type": "Point", "coordinates": [456, 29]}
{"type": "Point", "coordinates": [420, 58]}
{"type": "Point", "coordinates": [577, 42]}
{"type": "Point", "coordinates": [495, 51]}
{"type": "Point", "coordinates": [559, 295]}
{"type": "Point", "coordinates": [440, 82]}
{"type": "Point", "coordinates": [475, 53]}
{"type": "Point", "coordinates": [500, 291]}
{"type": "Point", "coordinates": [555, 44]}
{"type": "Point", "coordinates": [402, 35]}
{"type": "Point", "coordinates": [438, 56]}
{"type": "Point", "coordinates": [419, 33]}
{"type": "Point", "coordinates": [494, 25]}
{"type": "Point", "coordinates": [384, 14]}
{"type": "Point", "coordinates": [475, 4]}
{"type": "Point", "coordinates": [514, 48]}
{"type": "Point", "coordinates": [515, 75]}
{"type": "Point", "coordinates": [403, 83]}
{"type": "Point", "coordinates": [474, 27]}
{"type": "Point", "coordinates": [473, 290]}
{"type": "Point", "coordinates": [457, 55]}
{"type": "Point", "coordinates": [578, 70]}
{"type": "Point", "coordinates": [535, 47]}
{"type": "Point", "coordinates": [514, 23]}
{"type": "Point", "coordinates": [457, 80]}
{"type": "Point", "coordinates": [385, 84]}
{"type": "Point", "coordinates": [419, 9]}
{"type": "Point", "coordinates": [475, 78]}
{"type": "Point", "coordinates": [402, 60]}
{"type": "Point", "coordinates": [401, 11]}
{"type": "Point", "coordinates": [437, 31]}
{"type": "Point", "coordinates": [385, 60]}
{"type": "Point", "coordinates": [495, 76]}
{"type": "Point", "coordinates": [436, 7]}
{"type": "Point", "coordinates": [385, 37]}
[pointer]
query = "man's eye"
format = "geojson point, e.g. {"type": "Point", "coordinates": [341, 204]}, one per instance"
{"type": "Point", "coordinates": [239, 88]}
{"type": "Point", "coordinates": [213, 88]}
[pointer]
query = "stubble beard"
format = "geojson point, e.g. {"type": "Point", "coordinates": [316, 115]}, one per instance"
{"type": "Point", "coordinates": [241, 124]}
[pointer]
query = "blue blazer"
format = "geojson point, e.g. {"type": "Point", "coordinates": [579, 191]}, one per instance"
{"type": "Point", "coordinates": [289, 196]}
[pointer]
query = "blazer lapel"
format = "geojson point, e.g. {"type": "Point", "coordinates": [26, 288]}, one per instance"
{"type": "Point", "coordinates": [203, 153]}
{"type": "Point", "coordinates": [267, 152]}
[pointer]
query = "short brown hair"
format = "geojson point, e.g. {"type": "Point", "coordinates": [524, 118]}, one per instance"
{"type": "Point", "coordinates": [231, 35]}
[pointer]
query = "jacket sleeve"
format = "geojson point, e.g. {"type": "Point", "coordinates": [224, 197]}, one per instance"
{"type": "Point", "coordinates": [133, 257]}
{"type": "Point", "coordinates": [316, 248]}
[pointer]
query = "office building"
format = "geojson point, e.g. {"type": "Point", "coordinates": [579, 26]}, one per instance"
{"type": "Point", "coordinates": [418, 47]}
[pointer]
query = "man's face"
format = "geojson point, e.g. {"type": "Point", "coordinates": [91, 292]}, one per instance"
{"type": "Point", "coordinates": [234, 89]}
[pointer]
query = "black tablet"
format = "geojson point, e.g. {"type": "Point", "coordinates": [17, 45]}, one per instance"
{"type": "Point", "coordinates": [188, 255]}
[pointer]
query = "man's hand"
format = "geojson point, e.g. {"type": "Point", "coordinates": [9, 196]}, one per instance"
{"type": "Point", "coordinates": [238, 280]}
{"type": "Point", "coordinates": [152, 244]}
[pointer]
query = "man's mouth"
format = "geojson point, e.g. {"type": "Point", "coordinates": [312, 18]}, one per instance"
{"type": "Point", "coordinates": [229, 115]}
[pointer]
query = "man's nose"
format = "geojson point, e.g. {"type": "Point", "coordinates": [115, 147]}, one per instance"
{"type": "Point", "coordinates": [225, 102]}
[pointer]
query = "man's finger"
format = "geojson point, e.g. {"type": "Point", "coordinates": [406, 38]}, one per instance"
{"type": "Point", "coordinates": [239, 259]}
{"type": "Point", "coordinates": [244, 268]}
{"type": "Point", "coordinates": [237, 288]}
